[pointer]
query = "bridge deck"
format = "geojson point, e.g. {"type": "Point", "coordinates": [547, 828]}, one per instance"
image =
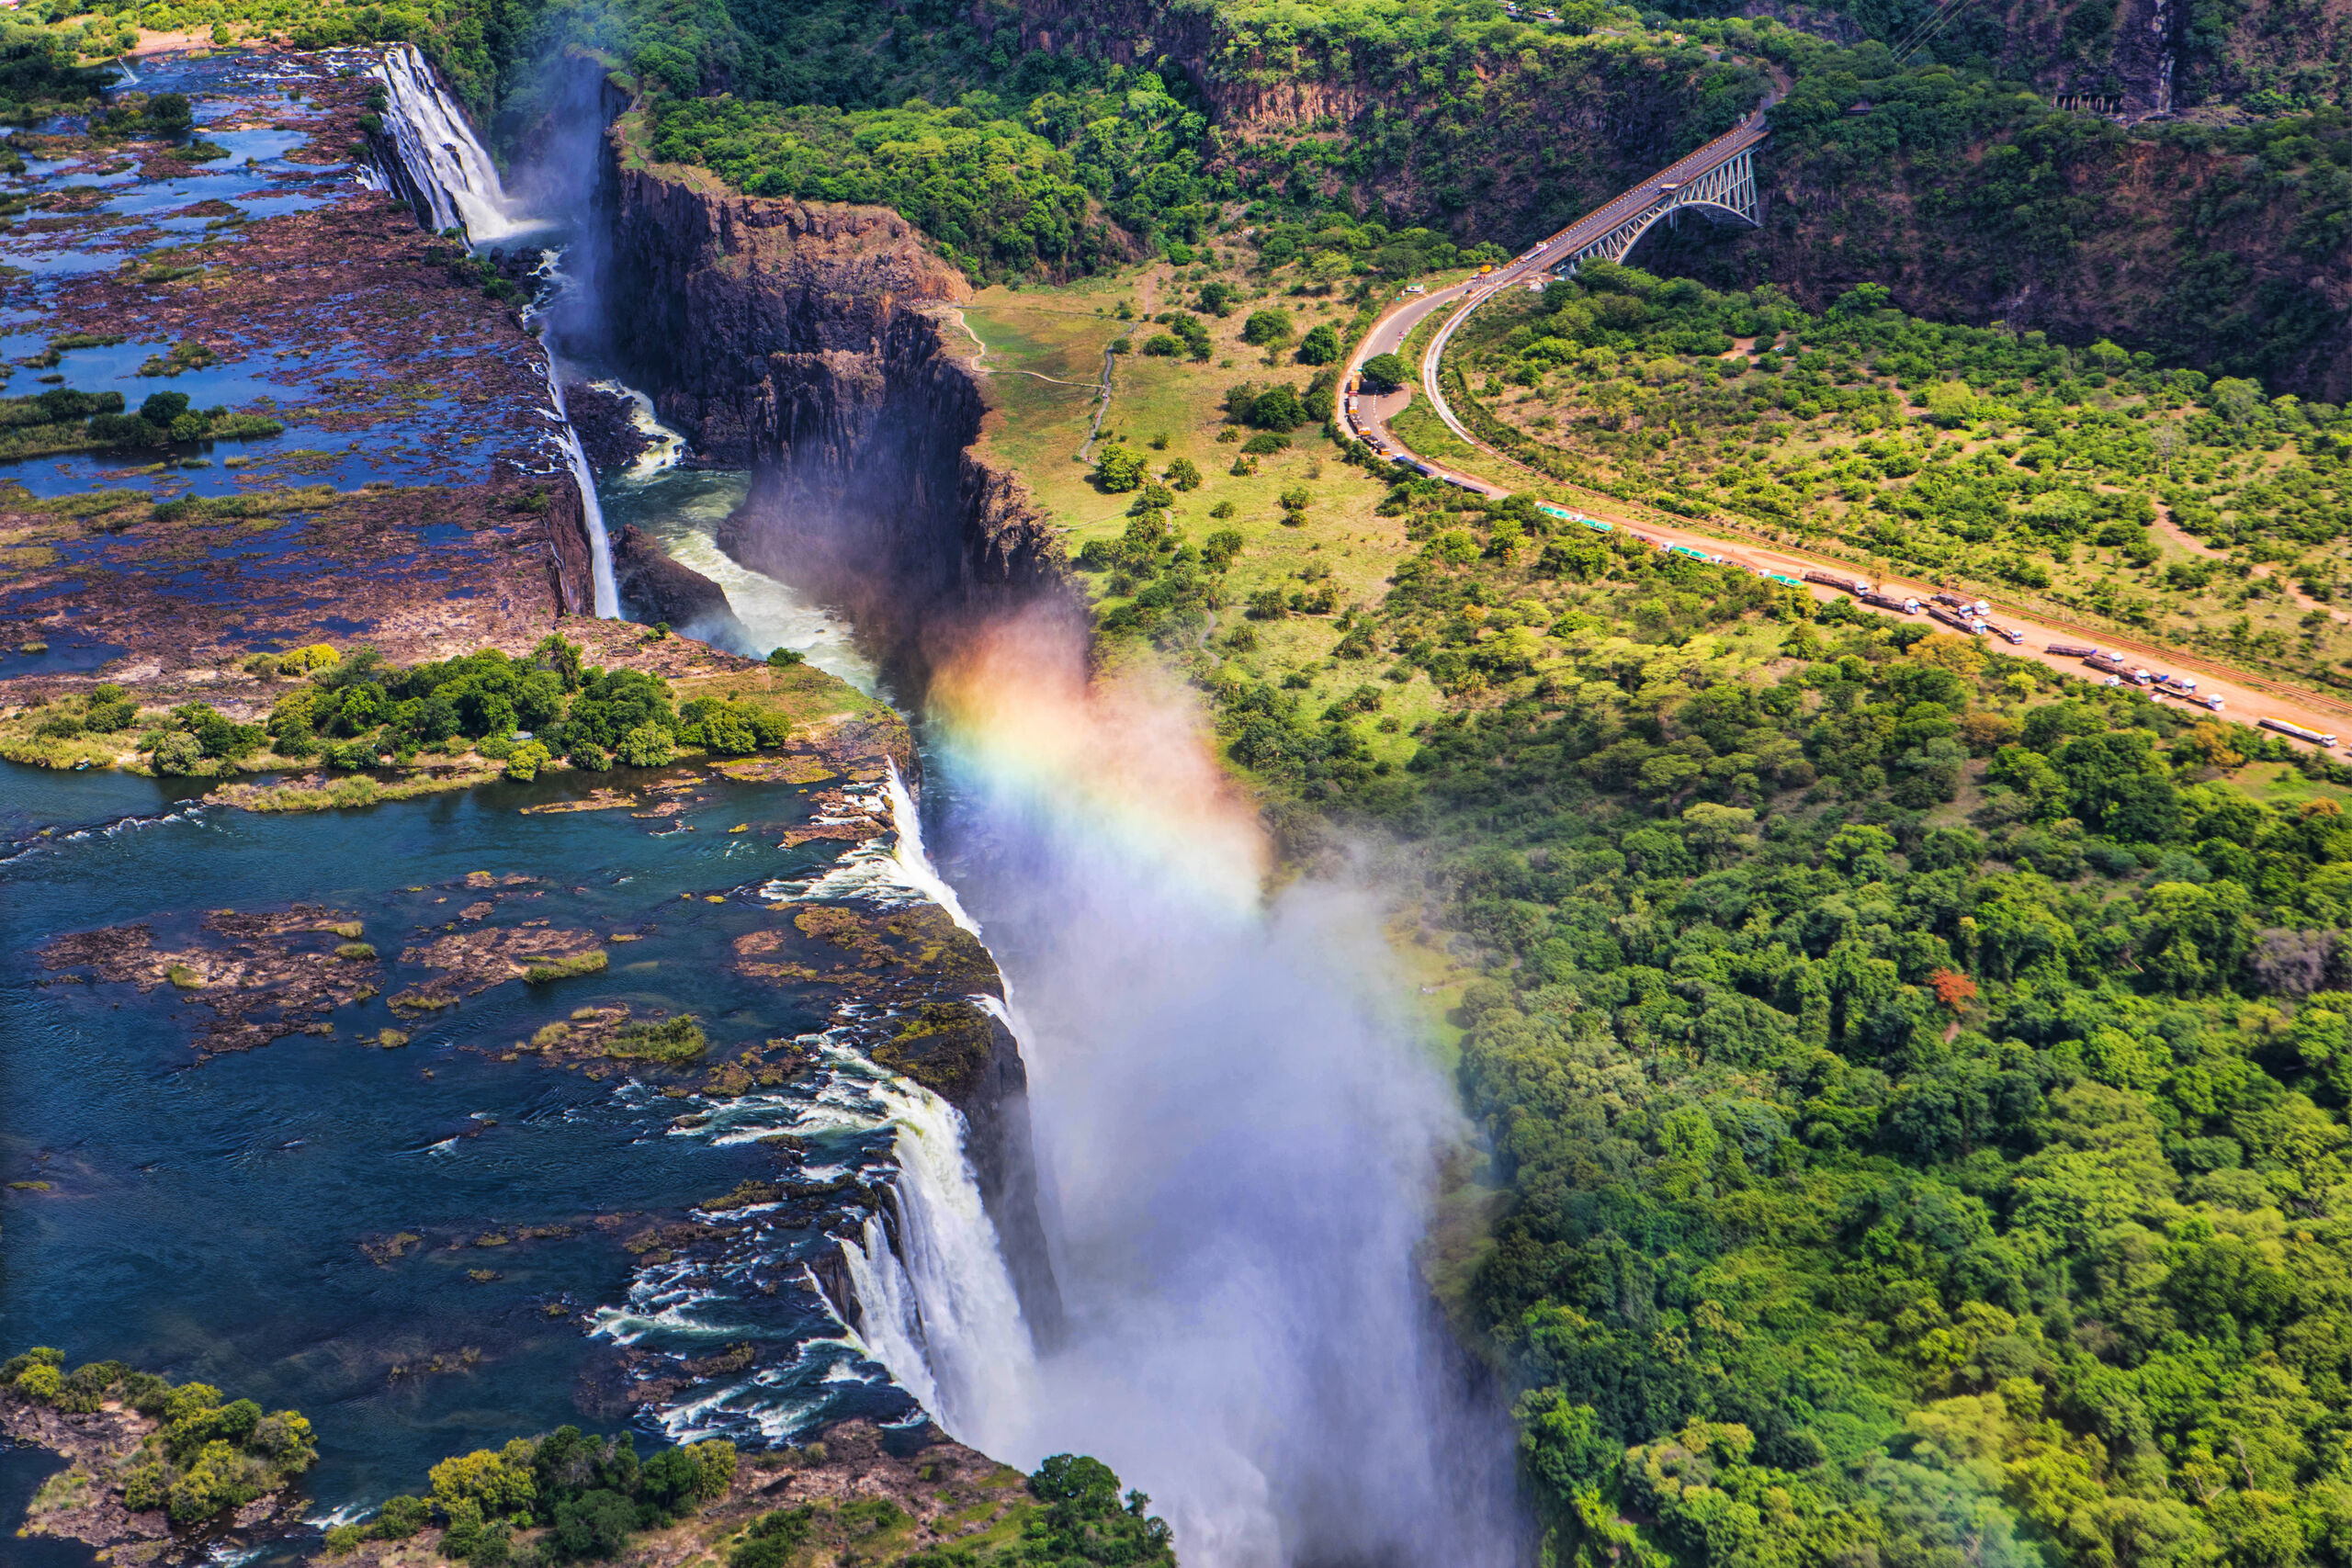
{"type": "Point", "coordinates": [1606, 217]}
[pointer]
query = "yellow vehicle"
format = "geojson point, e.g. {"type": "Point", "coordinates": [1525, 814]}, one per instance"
{"type": "Point", "coordinates": [1485, 269]}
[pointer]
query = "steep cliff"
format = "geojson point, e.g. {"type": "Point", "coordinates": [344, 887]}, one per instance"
{"type": "Point", "coordinates": [806, 342]}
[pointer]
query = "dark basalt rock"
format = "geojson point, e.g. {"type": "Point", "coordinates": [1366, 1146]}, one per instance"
{"type": "Point", "coordinates": [604, 420]}
{"type": "Point", "coordinates": [661, 589]}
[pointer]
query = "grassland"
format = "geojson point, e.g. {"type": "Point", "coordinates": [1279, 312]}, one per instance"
{"type": "Point", "coordinates": [1037, 427]}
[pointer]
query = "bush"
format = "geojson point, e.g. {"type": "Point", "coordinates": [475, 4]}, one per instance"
{"type": "Point", "coordinates": [1184, 474]}
{"type": "Point", "coordinates": [674, 1040]}
{"type": "Point", "coordinates": [1265, 327]}
{"type": "Point", "coordinates": [646, 746]}
{"type": "Point", "coordinates": [785, 657]}
{"type": "Point", "coordinates": [523, 763]}
{"type": "Point", "coordinates": [177, 754]}
{"type": "Point", "coordinates": [589, 757]}
{"type": "Point", "coordinates": [1320, 346]}
{"type": "Point", "coordinates": [1118, 469]}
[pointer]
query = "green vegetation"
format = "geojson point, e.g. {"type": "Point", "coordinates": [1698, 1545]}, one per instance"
{"type": "Point", "coordinates": [1911, 1074]}
{"type": "Point", "coordinates": [1001, 192]}
{"type": "Point", "coordinates": [2206, 513]}
{"type": "Point", "coordinates": [673, 1042]}
{"type": "Point", "coordinates": [204, 1458]}
{"type": "Point", "coordinates": [60, 420]}
{"type": "Point", "coordinates": [553, 969]}
{"type": "Point", "coordinates": [357, 708]}
{"type": "Point", "coordinates": [565, 1497]}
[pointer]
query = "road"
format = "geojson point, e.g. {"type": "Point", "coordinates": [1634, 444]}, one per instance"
{"type": "Point", "coordinates": [2246, 698]}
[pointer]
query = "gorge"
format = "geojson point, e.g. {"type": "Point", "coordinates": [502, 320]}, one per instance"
{"type": "Point", "coordinates": [1156, 1198]}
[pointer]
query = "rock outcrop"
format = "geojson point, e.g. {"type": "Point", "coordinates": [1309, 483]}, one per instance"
{"type": "Point", "coordinates": [664, 590]}
{"type": "Point", "coordinates": [809, 342]}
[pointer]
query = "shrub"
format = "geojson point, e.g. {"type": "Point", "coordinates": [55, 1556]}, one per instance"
{"type": "Point", "coordinates": [1265, 443]}
{"type": "Point", "coordinates": [1118, 471]}
{"type": "Point", "coordinates": [551, 969]}
{"type": "Point", "coordinates": [1184, 474]}
{"type": "Point", "coordinates": [785, 657]}
{"type": "Point", "coordinates": [1161, 345]}
{"type": "Point", "coordinates": [523, 763]}
{"type": "Point", "coordinates": [674, 1040]}
{"type": "Point", "coordinates": [177, 753]}
{"type": "Point", "coordinates": [646, 746]}
{"type": "Point", "coordinates": [1266, 326]}
{"type": "Point", "coordinates": [589, 757]}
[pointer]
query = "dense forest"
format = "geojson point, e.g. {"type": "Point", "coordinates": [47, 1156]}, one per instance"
{"type": "Point", "coordinates": [1917, 1077]}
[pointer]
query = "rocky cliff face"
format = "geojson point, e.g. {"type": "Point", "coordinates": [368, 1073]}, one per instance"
{"type": "Point", "coordinates": [809, 343]}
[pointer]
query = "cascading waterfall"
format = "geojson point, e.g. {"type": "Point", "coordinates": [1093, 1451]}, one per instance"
{"type": "Point", "coordinates": [451, 169]}
{"type": "Point", "coordinates": [940, 1310]}
{"type": "Point", "coordinates": [592, 509]}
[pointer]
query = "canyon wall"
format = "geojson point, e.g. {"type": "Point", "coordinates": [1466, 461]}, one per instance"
{"type": "Point", "coordinates": [811, 343]}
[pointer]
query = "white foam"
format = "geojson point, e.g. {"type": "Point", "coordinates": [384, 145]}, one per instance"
{"type": "Point", "coordinates": [441, 155]}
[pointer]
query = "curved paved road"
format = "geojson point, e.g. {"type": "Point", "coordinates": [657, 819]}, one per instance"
{"type": "Point", "coordinates": [1365, 417]}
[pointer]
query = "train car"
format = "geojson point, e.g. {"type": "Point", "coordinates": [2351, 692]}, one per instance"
{"type": "Point", "coordinates": [1844, 583]}
{"type": "Point", "coordinates": [2316, 737]}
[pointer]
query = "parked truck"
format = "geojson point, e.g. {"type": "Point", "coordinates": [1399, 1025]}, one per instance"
{"type": "Point", "coordinates": [1843, 581]}
{"type": "Point", "coordinates": [1955, 620]}
{"type": "Point", "coordinates": [1890, 602]}
{"type": "Point", "coordinates": [2315, 737]}
{"type": "Point", "coordinates": [2070, 649]}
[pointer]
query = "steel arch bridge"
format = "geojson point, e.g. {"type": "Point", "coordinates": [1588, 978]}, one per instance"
{"type": "Point", "coordinates": [1725, 189]}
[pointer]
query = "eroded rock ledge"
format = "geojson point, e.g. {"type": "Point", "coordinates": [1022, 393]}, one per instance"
{"type": "Point", "coordinates": [809, 343]}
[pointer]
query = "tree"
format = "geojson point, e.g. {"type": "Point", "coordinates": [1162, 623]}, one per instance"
{"type": "Point", "coordinates": [1184, 474]}
{"type": "Point", "coordinates": [1118, 469]}
{"type": "Point", "coordinates": [1385, 373]}
{"type": "Point", "coordinates": [1320, 345]}
{"type": "Point", "coordinates": [1265, 327]}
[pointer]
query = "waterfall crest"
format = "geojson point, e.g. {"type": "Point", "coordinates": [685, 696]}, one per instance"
{"type": "Point", "coordinates": [442, 166]}
{"type": "Point", "coordinates": [449, 168]}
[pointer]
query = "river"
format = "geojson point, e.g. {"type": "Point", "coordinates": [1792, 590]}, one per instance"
{"type": "Point", "coordinates": [1237, 1127]}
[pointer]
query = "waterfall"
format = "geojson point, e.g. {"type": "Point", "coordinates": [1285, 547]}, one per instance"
{"type": "Point", "coordinates": [940, 1310]}
{"type": "Point", "coordinates": [451, 170]}
{"type": "Point", "coordinates": [592, 509]}
{"type": "Point", "coordinates": [448, 169]}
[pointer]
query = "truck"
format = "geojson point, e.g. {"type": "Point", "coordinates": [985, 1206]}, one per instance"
{"type": "Point", "coordinates": [1890, 602]}
{"type": "Point", "coordinates": [1686, 551]}
{"type": "Point", "coordinates": [2178, 685]}
{"type": "Point", "coordinates": [2070, 649]}
{"type": "Point", "coordinates": [2007, 634]}
{"type": "Point", "coordinates": [2099, 659]}
{"type": "Point", "coordinates": [1596, 525]}
{"type": "Point", "coordinates": [1784, 580]}
{"type": "Point", "coordinates": [1843, 581]}
{"type": "Point", "coordinates": [2212, 700]}
{"type": "Point", "coordinates": [1953, 619]}
{"type": "Point", "coordinates": [2315, 737]}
